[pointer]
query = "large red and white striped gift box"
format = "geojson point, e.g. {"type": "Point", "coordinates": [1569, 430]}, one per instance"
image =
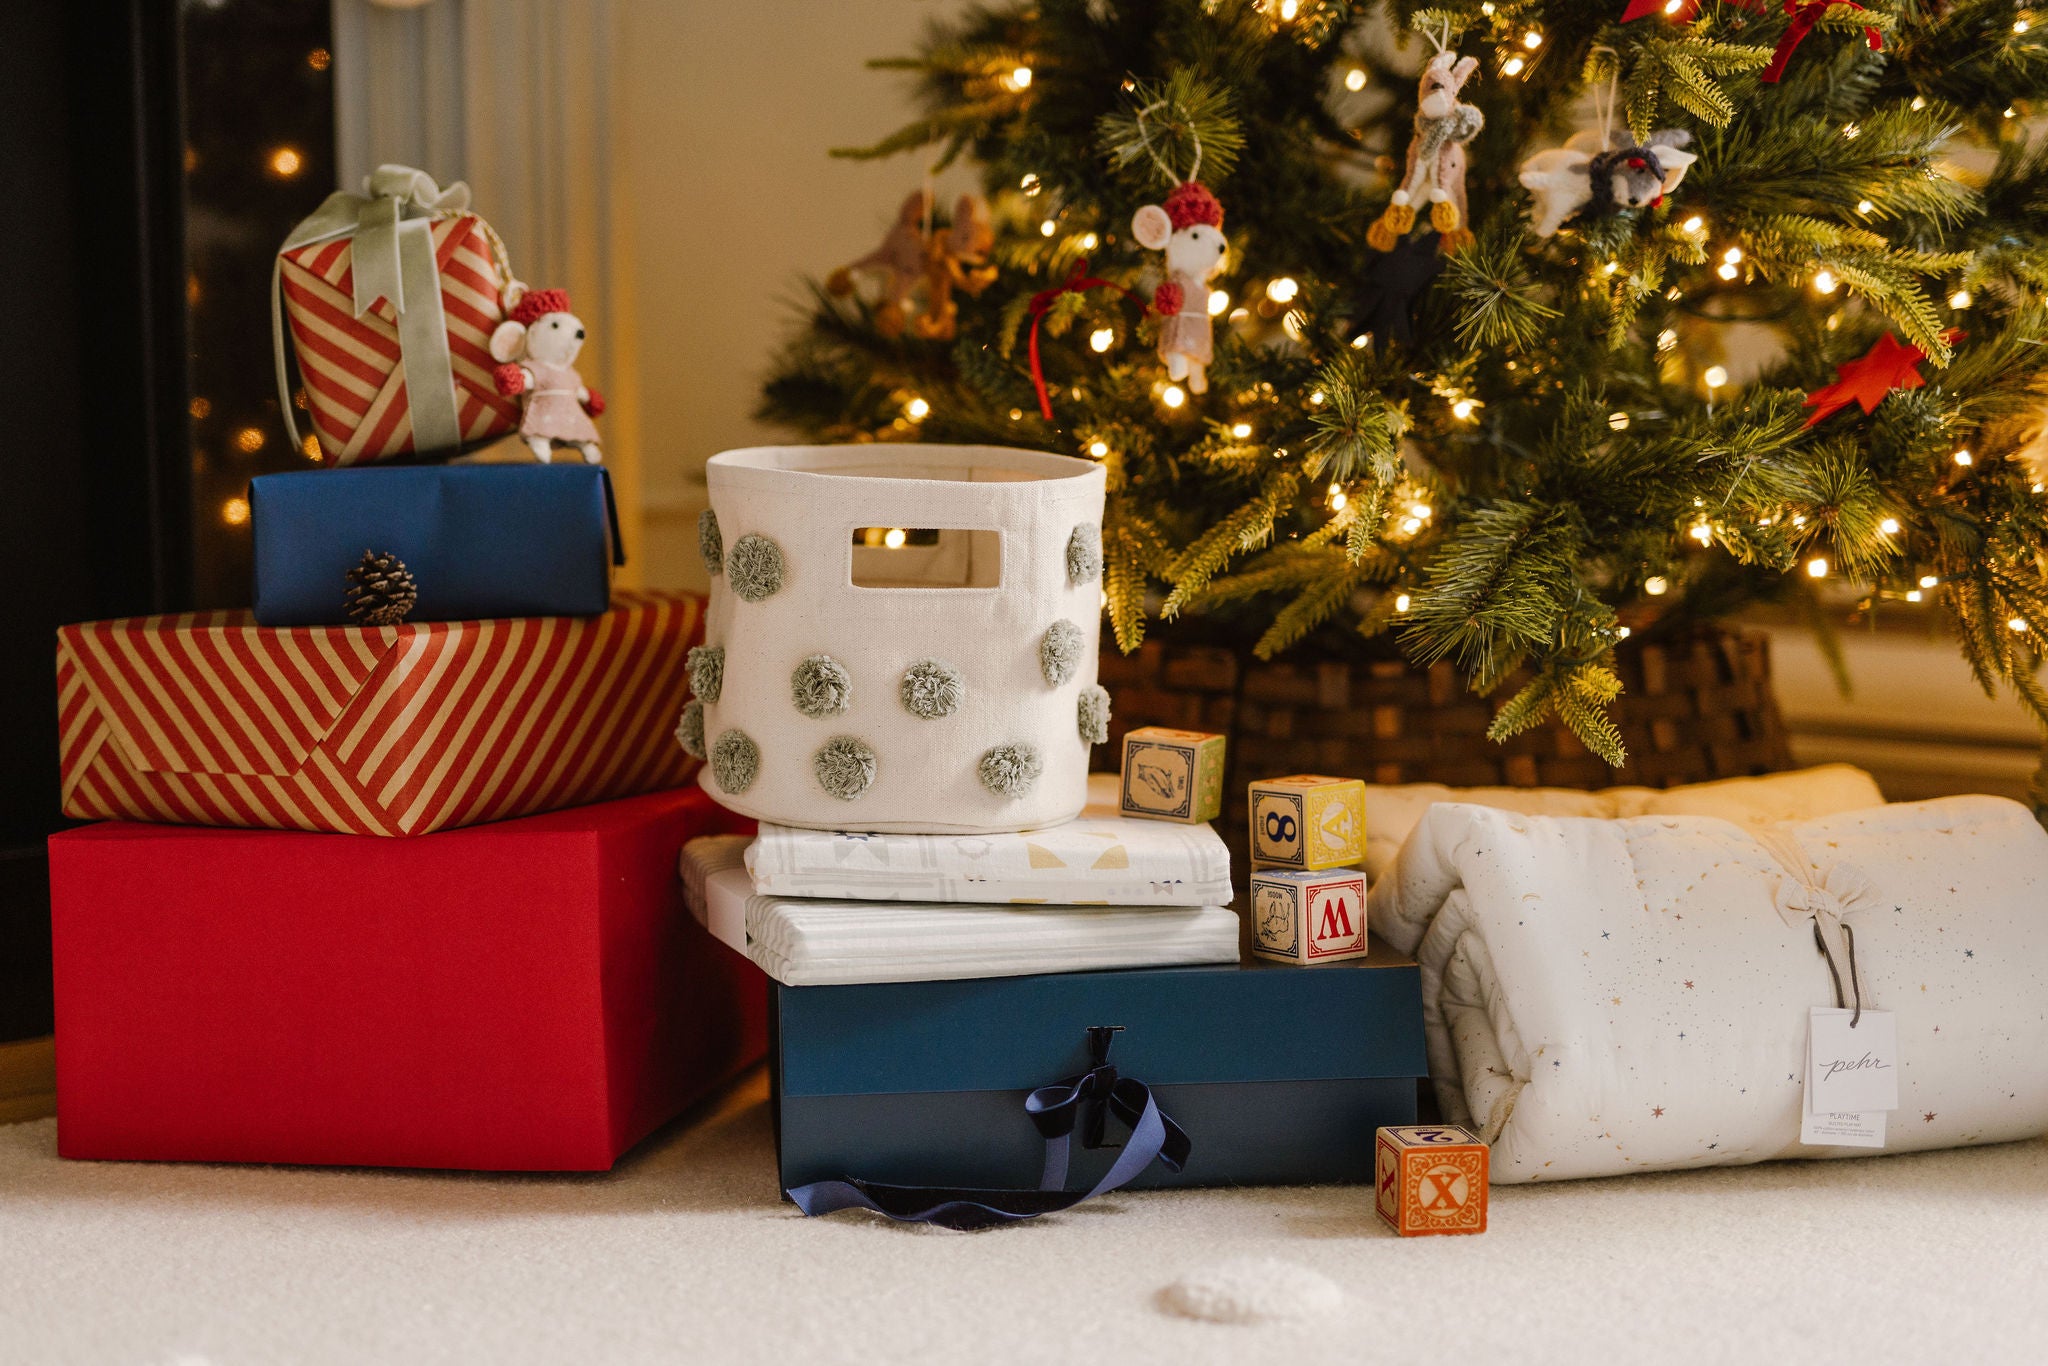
{"type": "Point", "coordinates": [205, 718]}
{"type": "Point", "coordinates": [354, 375]}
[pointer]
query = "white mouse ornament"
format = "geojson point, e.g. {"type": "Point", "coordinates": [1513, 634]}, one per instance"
{"type": "Point", "coordinates": [537, 345]}
{"type": "Point", "coordinates": [1588, 177]}
{"type": "Point", "coordinates": [1188, 227]}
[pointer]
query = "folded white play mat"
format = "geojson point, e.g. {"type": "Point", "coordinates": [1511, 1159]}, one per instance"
{"type": "Point", "coordinates": [1392, 811]}
{"type": "Point", "coordinates": [1610, 996]}
{"type": "Point", "coordinates": [1101, 859]}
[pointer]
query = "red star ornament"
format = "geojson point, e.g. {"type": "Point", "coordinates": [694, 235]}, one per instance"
{"type": "Point", "coordinates": [1891, 364]}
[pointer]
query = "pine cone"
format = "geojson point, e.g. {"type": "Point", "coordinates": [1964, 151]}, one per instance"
{"type": "Point", "coordinates": [381, 590]}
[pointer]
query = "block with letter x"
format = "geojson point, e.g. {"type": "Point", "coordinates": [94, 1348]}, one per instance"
{"type": "Point", "coordinates": [1430, 1178]}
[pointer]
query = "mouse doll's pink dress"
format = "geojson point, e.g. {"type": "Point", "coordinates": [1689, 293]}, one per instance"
{"type": "Point", "coordinates": [552, 409]}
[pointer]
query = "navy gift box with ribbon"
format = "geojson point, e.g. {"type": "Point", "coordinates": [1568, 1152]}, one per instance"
{"type": "Point", "coordinates": [479, 540]}
{"type": "Point", "coordinates": [908, 1096]}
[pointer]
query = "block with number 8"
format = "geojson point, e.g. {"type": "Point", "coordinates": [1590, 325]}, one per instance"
{"type": "Point", "coordinates": [1307, 821]}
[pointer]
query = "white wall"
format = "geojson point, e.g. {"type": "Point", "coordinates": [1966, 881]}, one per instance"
{"type": "Point", "coordinates": [726, 112]}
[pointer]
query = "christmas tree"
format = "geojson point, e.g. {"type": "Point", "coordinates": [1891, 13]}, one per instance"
{"type": "Point", "coordinates": [1650, 310]}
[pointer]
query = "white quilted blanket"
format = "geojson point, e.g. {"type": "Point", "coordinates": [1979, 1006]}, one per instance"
{"type": "Point", "coordinates": [1610, 996]}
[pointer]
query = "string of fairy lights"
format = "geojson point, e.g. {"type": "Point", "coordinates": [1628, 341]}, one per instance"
{"type": "Point", "coordinates": [1516, 53]}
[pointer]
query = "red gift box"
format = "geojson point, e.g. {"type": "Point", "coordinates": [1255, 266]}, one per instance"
{"type": "Point", "coordinates": [528, 996]}
{"type": "Point", "coordinates": [209, 719]}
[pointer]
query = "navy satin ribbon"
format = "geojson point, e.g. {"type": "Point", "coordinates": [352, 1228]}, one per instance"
{"type": "Point", "coordinates": [1056, 1110]}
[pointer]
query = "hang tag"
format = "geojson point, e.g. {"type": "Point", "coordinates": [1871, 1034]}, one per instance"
{"type": "Point", "coordinates": [1852, 1069]}
{"type": "Point", "coordinates": [1845, 1129]}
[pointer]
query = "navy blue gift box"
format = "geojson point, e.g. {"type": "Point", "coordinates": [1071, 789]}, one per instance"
{"type": "Point", "coordinates": [1279, 1075]}
{"type": "Point", "coordinates": [479, 540]}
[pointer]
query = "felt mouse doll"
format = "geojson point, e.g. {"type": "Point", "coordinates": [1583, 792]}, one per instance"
{"type": "Point", "coordinates": [1188, 227]}
{"type": "Point", "coordinates": [1436, 157]}
{"type": "Point", "coordinates": [956, 259]}
{"type": "Point", "coordinates": [901, 261]}
{"type": "Point", "coordinates": [1584, 177]}
{"type": "Point", "coordinates": [537, 344]}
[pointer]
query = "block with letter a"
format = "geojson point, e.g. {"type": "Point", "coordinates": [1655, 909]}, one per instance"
{"type": "Point", "coordinates": [1430, 1178]}
{"type": "Point", "coordinates": [1305, 917]}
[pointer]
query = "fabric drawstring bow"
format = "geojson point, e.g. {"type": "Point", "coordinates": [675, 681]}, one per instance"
{"type": "Point", "coordinates": [1827, 899]}
{"type": "Point", "coordinates": [1056, 1110]}
{"type": "Point", "coordinates": [391, 257]}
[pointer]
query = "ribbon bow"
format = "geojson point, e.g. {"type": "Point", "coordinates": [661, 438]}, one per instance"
{"type": "Point", "coordinates": [1078, 281]}
{"type": "Point", "coordinates": [1827, 899]}
{"type": "Point", "coordinates": [391, 257]}
{"type": "Point", "coordinates": [1805, 14]}
{"type": "Point", "coordinates": [1056, 1110]}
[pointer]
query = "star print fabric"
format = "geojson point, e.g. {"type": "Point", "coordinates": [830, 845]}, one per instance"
{"type": "Point", "coordinates": [1613, 996]}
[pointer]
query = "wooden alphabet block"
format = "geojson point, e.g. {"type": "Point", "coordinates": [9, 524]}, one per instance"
{"type": "Point", "coordinates": [1308, 917]}
{"type": "Point", "coordinates": [1308, 821]}
{"type": "Point", "coordinates": [1431, 1178]}
{"type": "Point", "coordinates": [1173, 775]}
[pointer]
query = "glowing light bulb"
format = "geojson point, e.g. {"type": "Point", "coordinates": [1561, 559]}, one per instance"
{"type": "Point", "coordinates": [1656, 585]}
{"type": "Point", "coordinates": [1913, 595]}
{"type": "Point", "coordinates": [1959, 299]}
{"type": "Point", "coordinates": [894, 537]}
{"type": "Point", "coordinates": [1462, 409]}
{"type": "Point", "coordinates": [1098, 449]}
{"type": "Point", "coordinates": [917, 410]}
{"type": "Point", "coordinates": [286, 161]}
{"type": "Point", "coordinates": [1354, 79]}
{"type": "Point", "coordinates": [1672, 7]}
{"type": "Point", "coordinates": [1694, 223]}
{"type": "Point", "coordinates": [1889, 526]}
{"type": "Point", "coordinates": [1422, 510]}
{"type": "Point", "coordinates": [1618, 421]}
{"type": "Point", "coordinates": [1089, 241]}
{"type": "Point", "coordinates": [1851, 131]}
{"type": "Point", "coordinates": [1241, 430]}
{"type": "Point", "coordinates": [1048, 228]}
{"type": "Point", "coordinates": [1218, 301]}
{"type": "Point", "coordinates": [1864, 206]}
{"type": "Point", "coordinates": [1728, 270]}
{"type": "Point", "coordinates": [309, 446]}
{"type": "Point", "coordinates": [1029, 184]}
{"type": "Point", "coordinates": [319, 59]}
{"type": "Point", "coordinates": [1667, 339]}
{"type": "Point", "coordinates": [2018, 623]}
{"type": "Point", "coordinates": [1928, 580]}
{"type": "Point", "coordinates": [1315, 400]}
{"type": "Point", "coordinates": [200, 407]}
{"type": "Point", "coordinates": [1361, 341]}
{"type": "Point", "coordinates": [1282, 289]}
{"type": "Point", "coordinates": [1173, 396]}
{"type": "Point", "coordinates": [1337, 499]}
{"type": "Point", "coordinates": [1817, 567]}
{"type": "Point", "coordinates": [1825, 281]}
{"type": "Point", "coordinates": [2010, 113]}
{"type": "Point", "coordinates": [1623, 633]}
{"type": "Point", "coordinates": [1020, 79]}
{"type": "Point", "coordinates": [1401, 602]}
{"type": "Point", "coordinates": [1512, 66]}
{"type": "Point", "coordinates": [1016, 414]}
{"type": "Point", "coordinates": [235, 511]}
{"type": "Point", "coordinates": [1919, 102]}
{"type": "Point", "coordinates": [1101, 339]}
{"type": "Point", "coordinates": [1964, 458]}
{"type": "Point", "coordinates": [1411, 525]}
{"type": "Point", "coordinates": [1610, 268]}
{"type": "Point", "coordinates": [1288, 9]}
{"type": "Point", "coordinates": [249, 440]}
{"type": "Point", "coordinates": [1716, 376]}
{"type": "Point", "coordinates": [1733, 256]}
{"type": "Point", "coordinates": [1702, 533]}
{"type": "Point", "coordinates": [1532, 40]}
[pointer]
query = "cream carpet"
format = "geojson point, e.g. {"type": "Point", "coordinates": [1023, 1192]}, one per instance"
{"type": "Point", "coordinates": [683, 1254]}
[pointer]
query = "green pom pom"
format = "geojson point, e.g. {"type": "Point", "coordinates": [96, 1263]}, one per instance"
{"type": "Point", "coordinates": [820, 687]}
{"type": "Point", "coordinates": [1084, 555]}
{"type": "Point", "coordinates": [735, 762]}
{"type": "Point", "coordinates": [845, 767]}
{"type": "Point", "coordinates": [932, 689]}
{"type": "Point", "coordinates": [710, 544]}
{"type": "Point", "coordinates": [1010, 770]}
{"type": "Point", "coordinates": [707, 671]}
{"type": "Point", "coordinates": [690, 730]}
{"type": "Point", "coordinates": [1093, 712]}
{"type": "Point", "coordinates": [754, 567]}
{"type": "Point", "coordinates": [1059, 654]}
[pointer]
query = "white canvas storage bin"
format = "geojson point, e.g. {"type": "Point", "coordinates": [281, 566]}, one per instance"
{"type": "Point", "coordinates": [937, 677]}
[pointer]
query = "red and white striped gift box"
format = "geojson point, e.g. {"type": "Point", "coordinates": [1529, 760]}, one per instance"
{"type": "Point", "coordinates": [353, 373]}
{"type": "Point", "coordinates": [205, 718]}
